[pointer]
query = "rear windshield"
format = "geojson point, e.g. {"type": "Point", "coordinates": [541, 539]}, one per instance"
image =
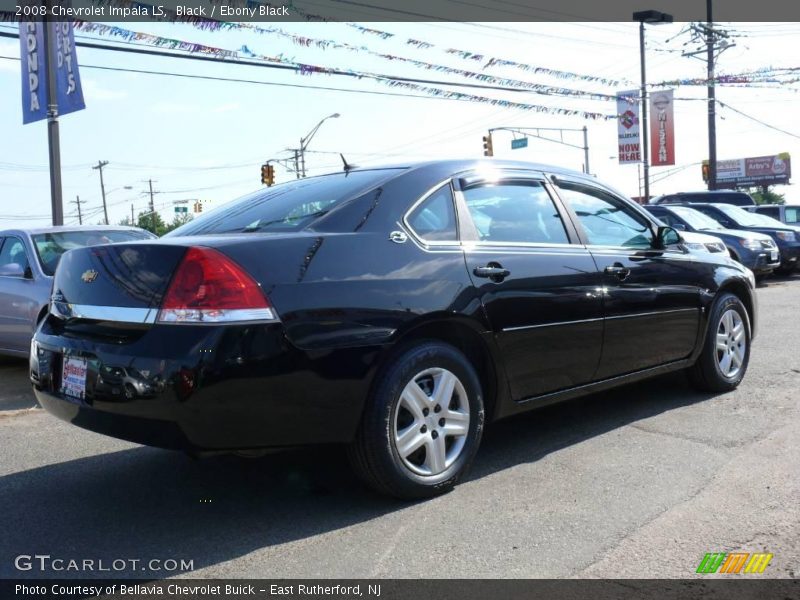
{"type": "Point", "coordinates": [288, 206]}
{"type": "Point", "coordinates": [50, 246]}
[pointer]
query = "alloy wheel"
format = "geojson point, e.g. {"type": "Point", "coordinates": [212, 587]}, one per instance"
{"type": "Point", "coordinates": [431, 421]}
{"type": "Point", "coordinates": [731, 343]}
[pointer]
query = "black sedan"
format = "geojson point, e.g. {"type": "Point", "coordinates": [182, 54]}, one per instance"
{"type": "Point", "coordinates": [394, 309]}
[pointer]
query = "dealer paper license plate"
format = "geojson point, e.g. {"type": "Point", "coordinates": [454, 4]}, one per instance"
{"type": "Point", "coordinates": [773, 255]}
{"type": "Point", "coordinates": [73, 377]}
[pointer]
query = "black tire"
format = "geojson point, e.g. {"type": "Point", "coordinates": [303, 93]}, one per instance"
{"type": "Point", "coordinates": [374, 454]}
{"type": "Point", "coordinates": [706, 374]}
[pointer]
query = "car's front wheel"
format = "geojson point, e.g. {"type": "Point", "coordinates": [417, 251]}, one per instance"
{"type": "Point", "coordinates": [726, 349]}
{"type": "Point", "coordinates": [422, 424]}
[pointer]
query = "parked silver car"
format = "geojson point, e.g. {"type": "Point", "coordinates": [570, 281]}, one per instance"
{"type": "Point", "coordinates": [28, 259]}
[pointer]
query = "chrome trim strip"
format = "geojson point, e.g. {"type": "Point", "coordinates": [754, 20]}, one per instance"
{"type": "Point", "coordinates": [552, 324]}
{"type": "Point", "coordinates": [655, 312]}
{"type": "Point", "coordinates": [120, 314]}
{"type": "Point", "coordinates": [631, 316]}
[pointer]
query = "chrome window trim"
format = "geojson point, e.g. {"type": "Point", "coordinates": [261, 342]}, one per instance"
{"type": "Point", "coordinates": [420, 200]}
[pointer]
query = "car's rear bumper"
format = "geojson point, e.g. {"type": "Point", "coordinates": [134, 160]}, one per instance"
{"type": "Point", "coordinates": [209, 388]}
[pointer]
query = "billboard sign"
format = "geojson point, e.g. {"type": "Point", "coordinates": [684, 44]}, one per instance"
{"type": "Point", "coordinates": [630, 150]}
{"type": "Point", "coordinates": [752, 171]}
{"type": "Point", "coordinates": [662, 129]}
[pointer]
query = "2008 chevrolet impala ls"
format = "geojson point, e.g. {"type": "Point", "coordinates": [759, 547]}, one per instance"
{"type": "Point", "coordinates": [394, 309]}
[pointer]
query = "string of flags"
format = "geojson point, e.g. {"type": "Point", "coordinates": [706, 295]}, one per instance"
{"type": "Point", "coordinates": [128, 35]}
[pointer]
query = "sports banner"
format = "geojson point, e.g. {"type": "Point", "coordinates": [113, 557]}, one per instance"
{"type": "Point", "coordinates": [69, 93]}
{"type": "Point", "coordinates": [630, 150]}
{"type": "Point", "coordinates": [662, 129]}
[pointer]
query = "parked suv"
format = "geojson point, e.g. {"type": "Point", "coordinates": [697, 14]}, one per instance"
{"type": "Point", "coordinates": [756, 251]}
{"type": "Point", "coordinates": [735, 217]}
{"type": "Point", "coordinates": [716, 196]}
{"type": "Point", "coordinates": [785, 213]}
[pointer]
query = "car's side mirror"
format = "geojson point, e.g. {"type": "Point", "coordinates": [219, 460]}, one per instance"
{"type": "Point", "coordinates": [667, 236]}
{"type": "Point", "coordinates": [12, 270]}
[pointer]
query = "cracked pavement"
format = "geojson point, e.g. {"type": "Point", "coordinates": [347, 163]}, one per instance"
{"type": "Point", "coordinates": [638, 482]}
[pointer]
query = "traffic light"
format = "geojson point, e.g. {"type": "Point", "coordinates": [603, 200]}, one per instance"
{"type": "Point", "coordinates": [487, 145]}
{"type": "Point", "coordinates": [267, 174]}
{"type": "Point", "coordinates": [705, 170]}
{"type": "Point", "coordinates": [198, 207]}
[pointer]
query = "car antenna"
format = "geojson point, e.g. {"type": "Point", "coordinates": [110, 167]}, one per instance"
{"type": "Point", "coordinates": [347, 166]}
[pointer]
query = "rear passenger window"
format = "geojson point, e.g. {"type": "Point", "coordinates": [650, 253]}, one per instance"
{"type": "Point", "coordinates": [516, 213]}
{"type": "Point", "coordinates": [434, 220]}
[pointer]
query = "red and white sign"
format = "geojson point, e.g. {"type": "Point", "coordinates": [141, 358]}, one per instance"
{"type": "Point", "coordinates": [662, 129]}
{"type": "Point", "coordinates": [630, 149]}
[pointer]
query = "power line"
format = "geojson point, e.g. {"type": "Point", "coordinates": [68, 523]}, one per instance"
{"type": "Point", "coordinates": [759, 121]}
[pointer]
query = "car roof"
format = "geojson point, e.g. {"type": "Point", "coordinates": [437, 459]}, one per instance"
{"type": "Point", "coordinates": [69, 228]}
{"type": "Point", "coordinates": [464, 164]}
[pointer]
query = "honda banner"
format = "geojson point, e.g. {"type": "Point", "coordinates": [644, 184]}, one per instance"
{"type": "Point", "coordinates": [662, 129]}
{"type": "Point", "coordinates": [630, 150]}
{"type": "Point", "coordinates": [34, 70]}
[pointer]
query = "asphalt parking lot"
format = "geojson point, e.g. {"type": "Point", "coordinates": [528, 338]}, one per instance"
{"type": "Point", "coordinates": [638, 482]}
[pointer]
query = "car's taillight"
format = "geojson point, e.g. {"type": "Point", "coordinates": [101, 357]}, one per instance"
{"type": "Point", "coordinates": [208, 287]}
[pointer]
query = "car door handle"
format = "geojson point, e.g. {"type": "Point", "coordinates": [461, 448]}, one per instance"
{"type": "Point", "coordinates": [493, 271]}
{"type": "Point", "coordinates": [618, 271]}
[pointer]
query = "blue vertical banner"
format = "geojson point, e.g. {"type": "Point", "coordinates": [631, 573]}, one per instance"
{"type": "Point", "coordinates": [68, 91]}
{"type": "Point", "coordinates": [68, 79]}
{"type": "Point", "coordinates": [34, 71]}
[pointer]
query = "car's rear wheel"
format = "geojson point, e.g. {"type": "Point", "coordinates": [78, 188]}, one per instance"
{"type": "Point", "coordinates": [422, 424]}
{"type": "Point", "coordinates": [726, 349]}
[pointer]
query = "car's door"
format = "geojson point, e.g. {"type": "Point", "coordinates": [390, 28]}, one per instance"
{"type": "Point", "coordinates": [651, 296]}
{"type": "Point", "coordinates": [16, 289]}
{"type": "Point", "coordinates": [538, 286]}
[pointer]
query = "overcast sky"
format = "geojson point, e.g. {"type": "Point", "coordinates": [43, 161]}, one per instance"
{"type": "Point", "coordinates": [205, 139]}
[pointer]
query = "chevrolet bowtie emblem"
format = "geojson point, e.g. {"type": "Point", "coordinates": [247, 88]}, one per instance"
{"type": "Point", "coordinates": [89, 276]}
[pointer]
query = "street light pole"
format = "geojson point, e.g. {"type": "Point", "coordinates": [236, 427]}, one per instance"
{"type": "Point", "coordinates": [643, 111]}
{"type": "Point", "coordinates": [300, 156]}
{"type": "Point", "coordinates": [651, 17]}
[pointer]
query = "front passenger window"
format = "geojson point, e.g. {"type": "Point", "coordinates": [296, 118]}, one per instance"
{"type": "Point", "coordinates": [605, 219]}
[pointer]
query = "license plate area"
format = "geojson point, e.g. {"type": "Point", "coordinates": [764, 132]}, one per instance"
{"type": "Point", "coordinates": [74, 371]}
{"type": "Point", "coordinates": [773, 255]}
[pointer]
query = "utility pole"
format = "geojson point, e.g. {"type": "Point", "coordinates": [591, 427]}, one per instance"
{"type": "Point", "coordinates": [53, 140]}
{"type": "Point", "coordinates": [712, 102]}
{"type": "Point", "coordinates": [152, 206]}
{"type": "Point", "coordinates": [99, 167]}
{"type": "Point", "coordinates": [297, 163]}
{"type": "Point", "coordinates": [133, 223]}
{"type": "Point", "coordinates": [713, 41]}
{"type": "Point", "coordinates": [78, 201]}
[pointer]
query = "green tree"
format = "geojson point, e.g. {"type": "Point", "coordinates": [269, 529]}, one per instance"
{"type": "Point", "coordinates": [178, 220]}
{"type": "Point", "coordinates": [765, 195]}
{"type": "Point", "coordinates": [152, 222]}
